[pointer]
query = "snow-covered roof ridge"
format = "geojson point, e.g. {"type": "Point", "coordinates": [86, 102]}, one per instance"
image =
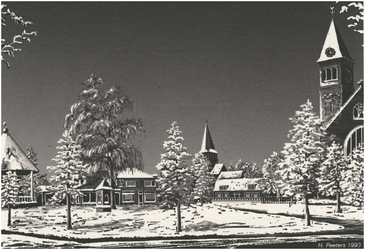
{"type": "Point", "coordinates": [231, 174]}
{"type": "Point", "coordinates": [217, 168]}
{"type": "Point", "coordinates": [133, 173]}
{"type": "Point", "coordinates": [13, 157]}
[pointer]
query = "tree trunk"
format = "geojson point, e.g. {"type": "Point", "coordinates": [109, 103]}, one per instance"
{"type": "Point", "coordinates": [68, 201]}
{"type": "Point", "coordinates": [178, 218]}
{"type": "Point", "coordinates": [9, 215]}
{"type": "Point", "coordinates": [338, 198]}
{"type": "Point", "coordinates": [306, 212]}
{"type": "Point", "coordinates": [112, 198]}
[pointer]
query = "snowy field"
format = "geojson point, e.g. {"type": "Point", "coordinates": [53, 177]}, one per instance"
{"type": "Point", "coordinates": [147, 221]}
{"type": "Point", "coordinates": [325, 210]}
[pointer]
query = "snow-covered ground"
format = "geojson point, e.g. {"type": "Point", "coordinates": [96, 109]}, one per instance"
{"type": "Point", "coordinates": [326, 210]}
{"type": "Point", "coordinates": [150, 221]}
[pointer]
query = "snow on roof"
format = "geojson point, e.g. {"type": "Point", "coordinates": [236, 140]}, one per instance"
{"type": "Point", "coordinates": [104, 184]}
{"type": "Point", "coordinates": [217, 168]}
{"type": "Point", "coordinates": [13, 157]}
{"type": "Point", "coordinates": [135, 173]}
{"type": "Point", "coordinates": [240, 184]}
{"type": "Point", "coordinates": [231, 174]}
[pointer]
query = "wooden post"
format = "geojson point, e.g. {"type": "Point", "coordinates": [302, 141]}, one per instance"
{"type": "Point", "coordinates": [31, 186]}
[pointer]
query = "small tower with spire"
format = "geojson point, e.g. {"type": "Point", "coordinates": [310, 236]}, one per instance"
{"type": "Point", "coordinates": [208, 149]}
{"type": "Point", "coordinates": [336, 73]}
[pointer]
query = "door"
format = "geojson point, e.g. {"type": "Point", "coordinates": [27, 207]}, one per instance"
{"type": "Point", "coordinates": [116, 198]}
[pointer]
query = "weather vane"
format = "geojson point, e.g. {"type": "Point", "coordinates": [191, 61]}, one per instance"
{"type": "Point", "coordinates": [332, 10]}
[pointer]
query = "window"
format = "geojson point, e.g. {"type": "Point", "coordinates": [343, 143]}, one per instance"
{"type": "Point", "coordinates": [93, 197]}
{"type": "Point", "coordinates": [358, 111]}
{"type": "Point", "coordinates": [251, 186]}
{"type": "Point", "coordinates": [149, 183]}
{"type": "Point", "coordinates": [354, 139]}
{"type": "Point", "coordinates": [247, 195]}
{"type": "Point", "coordinates": [255, 195]}
{"type": "Point", "coordinates": [130, 183]}
{"type": "Point", "coordinates": [128, 196]}
{"type": "Point", "coordinates": [329, 74]}
{"type": "Point", "coordinates": [149, 196]}
{"type": "Point", "coordinates": [219, 195]}
{"type": "Point", "coordinates": [225, 187]}
{"type": "Point", "coordinates": [236, 195]}
{"type": "Point", "coordinates": [87, 197]}
{"type": "Point", "coordinates": [226, 195]}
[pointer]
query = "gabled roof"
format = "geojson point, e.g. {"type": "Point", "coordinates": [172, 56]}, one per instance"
{"type": "Point", "coordinates": [217, 168]}
{"type": "Point", "coordinates": [133, 174]}
{"type": "Point", "coordinates": [96, 185]}
{"type": "Point", "coordinates": [13, 157]}
{"type": "Point", "coordinates": [231, 174]}
{"type": "Point", "coordinates": [358, 91]}
{"type": "Point", "coordinates": [335, 41]}
{"type": "Point", "coordinates": [207, 143]}
{"type": "Point", "coordinates": [240, 184]}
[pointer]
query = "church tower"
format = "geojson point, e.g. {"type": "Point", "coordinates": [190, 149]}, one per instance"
{"type": "Point", "coordinates": [208, 149]}
{"type": "Point", "coordinates": [336, 74]}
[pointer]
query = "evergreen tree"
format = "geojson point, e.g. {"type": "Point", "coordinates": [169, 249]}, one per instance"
{"type": "Point", "coordinates": [303, 156]}
{"type": "Point", "coordinates": [9, 192]}
{"type": "Point", "coordinates": [175, 180]}
{"type": "Point", "coordinates": [354, 177]}
{"type": "Point", "coordinates": [101, 122]}
{"type": "Point", "coordinates": [333, 172]}
{"type": "Point", "coordinates": [204, 180]}
{"type": "Point", "coordinates": [270, 174]}
{"type": "Point", "coordinates": [67, 170]}
{"type": "Point", "coordinates": [250, 170]}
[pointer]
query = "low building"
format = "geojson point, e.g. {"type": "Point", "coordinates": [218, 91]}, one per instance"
{"type": "Point", "coordinates": [131, 187]}
{"type": "Point", "coordinates": [231, 186]}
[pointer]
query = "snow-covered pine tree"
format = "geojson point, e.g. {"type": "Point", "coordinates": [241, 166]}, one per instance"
{"type": "Point", "coordinates": [333, 172]}
{"type": "Point", "coordinates": [67, 171]}
{"type": "Point", "coordinates": [303, 156]}
{"type": "Point", "coordinates": [204, 180]}
{"type": "Point", "coordinates": [354, 177]}
{"type": "Point", "coordinates": [175, 180]}
{"type": "Point", "coordinates": [9, 192]}
{"type": "Point", "coordinates": [270, 175]}
{"type": "Point", "coordinates": [250, 170]}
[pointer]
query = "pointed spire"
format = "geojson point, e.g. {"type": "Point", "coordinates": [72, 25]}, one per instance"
{"type": "Point", "coordinates": [334, 46]}
{"type": "Point", "coordinates": [207, 143]}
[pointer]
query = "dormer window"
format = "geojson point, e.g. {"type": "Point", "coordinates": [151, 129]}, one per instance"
{"type": "Point", "coordinates": [224, 187]}
{"type": "Point", "coordinates": [251, 186]}
{"type": "Point", "coordinates": [358, 111]}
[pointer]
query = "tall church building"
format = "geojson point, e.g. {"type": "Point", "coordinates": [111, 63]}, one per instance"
{"type": "Point", "coordinates": [341, 103]}
{"type": "Point", "coordinates": [208, 149]}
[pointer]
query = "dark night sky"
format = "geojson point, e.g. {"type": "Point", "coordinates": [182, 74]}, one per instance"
{"type": "Point", "coordinates": [245, 67]}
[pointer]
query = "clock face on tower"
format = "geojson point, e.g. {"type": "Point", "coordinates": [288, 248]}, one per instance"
{"type": "Point", "coordinates": [330, 52]}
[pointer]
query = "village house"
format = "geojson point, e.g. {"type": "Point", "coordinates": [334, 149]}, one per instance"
{"type": "Point", "coordinates": [131, 187]}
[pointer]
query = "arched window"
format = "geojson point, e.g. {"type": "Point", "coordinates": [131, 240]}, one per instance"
{"type": "Point", "coordinates": [358, 111]}
{"type": "Point", "coordinates": [354, 139]}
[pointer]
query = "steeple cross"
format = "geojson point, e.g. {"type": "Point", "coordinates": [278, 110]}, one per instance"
{"type": "Point", "coordinates": [332, 11]}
